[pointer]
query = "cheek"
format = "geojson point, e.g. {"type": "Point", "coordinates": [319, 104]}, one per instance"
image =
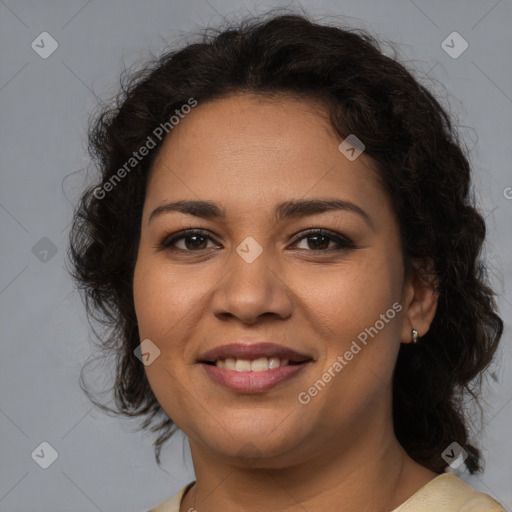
{"type": "Point", "coordinates": [353, 308]}
{"type": "Point", "coordinates": [162, 303]}
{"type": "Point", "coordinates": [350, 297]}
{"type": "Point", "coordinates": [164, 299]}
{"type": "Point", "coordinates": [170, 304]}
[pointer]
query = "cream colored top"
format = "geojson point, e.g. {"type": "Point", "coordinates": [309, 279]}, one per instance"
{"type": "Point", "coordinates": [445, 493]}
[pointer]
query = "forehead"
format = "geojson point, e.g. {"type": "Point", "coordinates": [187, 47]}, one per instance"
{"type": "Point", "coordinates": [249, 151]}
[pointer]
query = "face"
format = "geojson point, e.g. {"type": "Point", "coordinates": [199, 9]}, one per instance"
{"type": "Point", "coordinates": [260, 271]}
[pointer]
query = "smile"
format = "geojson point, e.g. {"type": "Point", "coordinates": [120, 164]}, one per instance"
{"type": "Point", "coordinates": [258, 365]}
{"type": "Point", "coordinates": [252, 367]}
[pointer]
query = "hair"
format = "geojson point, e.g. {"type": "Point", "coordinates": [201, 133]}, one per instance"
{"type": "Point", "coordinates": [410, 139]}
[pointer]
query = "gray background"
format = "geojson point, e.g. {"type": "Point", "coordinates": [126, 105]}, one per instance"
{"type": "Point", "coordinates": [103, 463]}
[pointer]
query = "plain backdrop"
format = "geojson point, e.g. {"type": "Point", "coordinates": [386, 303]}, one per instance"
{"type": "Point", "coordinates": [102, 462]}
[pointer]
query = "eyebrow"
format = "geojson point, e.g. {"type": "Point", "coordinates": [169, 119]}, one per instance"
{"type": "Point", "coordinates": [286, 210]}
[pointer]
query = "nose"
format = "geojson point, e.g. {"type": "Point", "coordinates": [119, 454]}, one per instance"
{"type": "Point", "coordinates": [250, 291]}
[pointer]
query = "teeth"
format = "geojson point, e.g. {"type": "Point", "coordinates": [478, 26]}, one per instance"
{"type": "Point", "coordinates": [274, 362]}
{"type": "Point", "coordinates": [257, 365]}
{"type": "Point", "coordinates": [230, 363]}
{"type": "Point", "coordinates": [242, 365]}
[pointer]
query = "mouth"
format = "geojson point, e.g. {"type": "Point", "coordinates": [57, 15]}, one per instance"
{"type": "Point", "coordinates": [250, 368]}
{"type": "Point", "coordinates": [261, 364]}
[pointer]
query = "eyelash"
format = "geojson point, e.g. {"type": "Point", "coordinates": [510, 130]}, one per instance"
{"type": "Point", "coordinates": [343, 242]}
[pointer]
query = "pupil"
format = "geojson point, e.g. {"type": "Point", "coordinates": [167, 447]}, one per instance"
{"type": "Point", "coordinates": [320, 245]}
{"type": "Point", "coordinates": [195, 245]}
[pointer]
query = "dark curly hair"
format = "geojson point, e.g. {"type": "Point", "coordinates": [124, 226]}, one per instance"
{"type": "Point", "coordinates": [416, 152]}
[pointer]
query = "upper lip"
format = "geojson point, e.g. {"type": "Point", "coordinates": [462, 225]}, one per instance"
{"type": "Point", "coordinates": [252, 351]}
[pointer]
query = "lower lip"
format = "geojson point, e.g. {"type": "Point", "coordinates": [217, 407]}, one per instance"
{"type": "Point", "coordinates": [252, 382]}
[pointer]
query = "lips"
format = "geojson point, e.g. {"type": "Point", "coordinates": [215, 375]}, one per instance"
{"type": "Point", "coordinates": [254, 367]}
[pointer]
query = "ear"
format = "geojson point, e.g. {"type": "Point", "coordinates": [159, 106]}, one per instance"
{"type": "Point", "coordinates": [420, 301]}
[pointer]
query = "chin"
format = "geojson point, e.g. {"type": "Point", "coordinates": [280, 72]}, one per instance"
{"type": "Point", "coordinates": [258, 447]}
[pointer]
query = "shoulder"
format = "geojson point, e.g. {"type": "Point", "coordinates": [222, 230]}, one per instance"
{"type": "Point", "coordinates": [447, 493]}
{"type": "Point", "coordinates": [173, 503]}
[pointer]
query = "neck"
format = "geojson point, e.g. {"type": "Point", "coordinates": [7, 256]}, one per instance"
{"type": "Point", "coordinates": [369, 471]}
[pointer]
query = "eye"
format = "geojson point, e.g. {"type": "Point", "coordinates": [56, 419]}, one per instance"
{"type": "Point", "coordinates": [192, 240]}
{"type": "Point", "coordinates": [319, 240]}
{"type": "Point", "coordinates": [196, 240]}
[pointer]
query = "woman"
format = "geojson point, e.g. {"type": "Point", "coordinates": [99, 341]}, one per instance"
{"type": "Point", "coordinates": [283, 246]}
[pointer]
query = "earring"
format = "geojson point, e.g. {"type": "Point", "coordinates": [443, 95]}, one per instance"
{"type": "Point", "coordinates": [414, 336]}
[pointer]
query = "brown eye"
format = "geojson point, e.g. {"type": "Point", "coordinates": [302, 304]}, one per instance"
{"type": "Point", "coordinates": [189, 241]}
{"type": "Point", "coordinates": [195, 242]}
{"type": "Point", "coordinates": [315, 240]}
{"type": "Point", "coordinates": [320, 240]}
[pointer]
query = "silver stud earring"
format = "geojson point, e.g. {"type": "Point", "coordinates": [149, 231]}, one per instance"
{"type": "Point", "coordinates": [414, 336]}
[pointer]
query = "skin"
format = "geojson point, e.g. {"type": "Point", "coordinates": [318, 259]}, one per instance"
{"type": "Point", "coordinates": [268, 451]}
